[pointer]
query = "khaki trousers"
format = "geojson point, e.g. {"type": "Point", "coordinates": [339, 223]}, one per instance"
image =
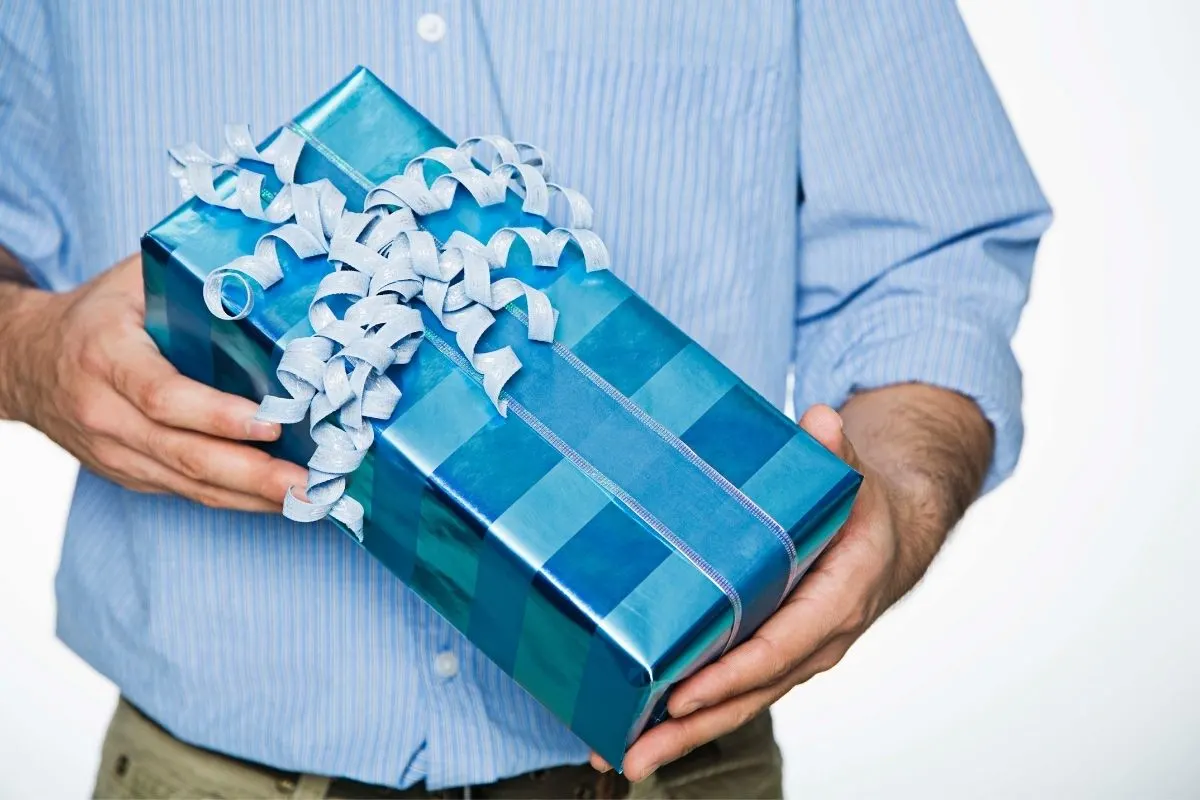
{"type": "Point", "coordinates": [142, 760]}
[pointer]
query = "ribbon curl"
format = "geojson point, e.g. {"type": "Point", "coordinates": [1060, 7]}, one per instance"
{"type": "Point", "coordinates": [382, 262]}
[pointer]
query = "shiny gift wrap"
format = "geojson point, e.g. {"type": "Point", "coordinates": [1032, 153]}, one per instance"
{"type": "Point", "coordinates": [642, 512]}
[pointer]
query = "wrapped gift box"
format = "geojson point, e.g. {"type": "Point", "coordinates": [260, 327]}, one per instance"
{"type": "Point", "coordinates": [644, 512]}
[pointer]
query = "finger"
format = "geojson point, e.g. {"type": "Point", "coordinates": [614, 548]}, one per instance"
{"type": "Point", "coordinates": [138, 472]}
{"type": "Point", "coordinates": [221, 463]}
{"type": "Point", "coordinates": [598, 763]}
{"type": "Point", "coordinates": [203, 459]}
{"type": "Point", "coordinates": [149, 381]}
{"type": "Point", "coordinates": [824, 659]}
{"type": "Point", "coordinates": [675, 738]}
{"type": "Point", "coordinates": [797, 630]}
{"type": "Point", "coordinates": [825, 425]}
{"type": "Point", "coordinates": [108, 459]}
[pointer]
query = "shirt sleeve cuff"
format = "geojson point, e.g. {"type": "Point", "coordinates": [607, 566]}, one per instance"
{"type": "Point", "coordinates": [920, 344]}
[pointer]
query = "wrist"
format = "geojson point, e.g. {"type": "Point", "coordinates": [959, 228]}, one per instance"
{"type": "Point", "coordinates": [25, 312]}
{"type": "Point", "coordinates": [927, 450]}
{"type": "Point", "coordinates": [930, 446]}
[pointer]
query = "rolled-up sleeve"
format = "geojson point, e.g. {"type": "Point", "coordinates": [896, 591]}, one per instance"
{"type": "Point", "coordinates": [34, 180]}
{"type": "Point", "coordinates": [919, 216]}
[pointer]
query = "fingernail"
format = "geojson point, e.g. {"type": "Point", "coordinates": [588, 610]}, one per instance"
{"type": "Point", "coordinates": [262, 431]}
{"type": "Point", "coordinates": [689, 707]}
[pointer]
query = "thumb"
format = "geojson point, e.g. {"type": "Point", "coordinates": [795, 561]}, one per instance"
{"type": "Point", "coordinates": [825, 425]}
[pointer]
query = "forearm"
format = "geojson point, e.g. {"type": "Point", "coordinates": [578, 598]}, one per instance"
{"type": "Point", "coordinates": [18, 296]}
{"type": "Point", "coordinates": [931, 449]}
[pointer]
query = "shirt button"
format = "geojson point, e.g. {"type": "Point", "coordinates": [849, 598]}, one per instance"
{"type": "Point", "coordinates": [431, 27]}
{"type": "Point", "coordinates": [446, 665]}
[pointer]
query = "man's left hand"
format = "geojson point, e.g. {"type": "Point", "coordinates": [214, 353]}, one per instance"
{"type": "Point", "coordinates": [867, 567]}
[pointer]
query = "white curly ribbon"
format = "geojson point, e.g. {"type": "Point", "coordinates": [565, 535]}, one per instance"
{"type": "Point", "coordinates": [382, 262]}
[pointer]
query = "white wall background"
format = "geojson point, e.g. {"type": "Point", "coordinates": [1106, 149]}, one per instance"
{"type": "Point", "coordinates": [1054, 649]}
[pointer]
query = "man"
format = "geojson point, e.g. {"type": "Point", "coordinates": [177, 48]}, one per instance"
{"type": "Point", "coordinates": [829, 187]}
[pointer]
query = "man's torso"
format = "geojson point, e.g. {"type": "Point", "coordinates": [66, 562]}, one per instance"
{"type": "Point", "coordinates": [287, 644]}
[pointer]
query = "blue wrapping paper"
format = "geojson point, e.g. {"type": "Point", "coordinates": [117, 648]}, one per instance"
{"type": "Point", "coordinates": [647, 511]}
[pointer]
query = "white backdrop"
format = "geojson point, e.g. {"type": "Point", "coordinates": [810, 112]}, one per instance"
{"type": "Point", "coordinates": [1053, 651]}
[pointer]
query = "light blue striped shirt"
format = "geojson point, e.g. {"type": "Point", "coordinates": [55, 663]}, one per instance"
{"type": "Point", "coordinates": [830, 187]}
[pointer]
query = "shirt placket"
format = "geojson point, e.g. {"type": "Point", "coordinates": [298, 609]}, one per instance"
{"type": "Point", "coordinates": [450, 58]}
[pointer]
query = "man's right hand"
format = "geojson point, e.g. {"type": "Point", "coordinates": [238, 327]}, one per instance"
{"type": "Point", "coordinates": [80, 367]}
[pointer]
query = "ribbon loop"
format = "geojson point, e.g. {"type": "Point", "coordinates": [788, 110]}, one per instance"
{"type": "Point", "coordinates": [382, 261]}
{"type": "Point", "coordinates": [503, 151]}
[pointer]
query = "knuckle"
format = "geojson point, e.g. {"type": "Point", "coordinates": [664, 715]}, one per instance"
{"type": "Point", "coordinates": [90, 415]}
{"type": "Point", "coordinates": [772, 660]}
{"type": "Point", "coordinates": [92, 358]}
{"type": "Point", "coordinates": [256, 469]}
{"type": "Point", "coordinates": [827, 661]}
{"type": "Point", "coordinates": [276, 484]}
{"type": "Point", "coordinates": [743, 716]}
{"type": "Point", "coordinates": [143, 476]}
{"type": "Point", "coordinates": [778, 667]}
{"type": "Point", "coordinates": [862, 614]}
{"type": "Point", "coordinates": [106, 455]}
{"type": "Point", "coordinates": [158, 444]}
{"type": "Point", "coordinates": [686, 734]}
{"type": "Point", "coordinates": [208, 498]}
{"type": "Point", "coordinates": [190, 461]}
{"type": "Point", "coordinates": [857, 619]}
{"type": "Point", "coordinates": [223, 422]}
{"type": "Point", "coordinates": [155, 400]}
{"type": "Point", "coordinates": [759, 649]}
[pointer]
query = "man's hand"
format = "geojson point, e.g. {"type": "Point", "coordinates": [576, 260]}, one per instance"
{"type": "Point", "coordinates": [923, 452]}
{"type": "Point", "coordinates": [80, 367]}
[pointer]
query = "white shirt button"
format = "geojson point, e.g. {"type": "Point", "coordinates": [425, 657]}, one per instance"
{"type": "Point", "coordinates": [431, 27]}
{"type": "Point", "coordinates": [446, 665]}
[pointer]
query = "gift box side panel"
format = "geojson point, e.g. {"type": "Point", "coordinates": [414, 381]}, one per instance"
{"type": "Point", "coordinates": [205, 349]}
{"type": "Point", "coordinates": [234, 357]}
{"type": "Point", "coordinates": [676, 620]}
{"type": "Point", "coordinates": [521, 617]}
{"type": "Point", "coordinates": [559, 584]}
{"type": "Point", "coordinates": [514, 615]}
